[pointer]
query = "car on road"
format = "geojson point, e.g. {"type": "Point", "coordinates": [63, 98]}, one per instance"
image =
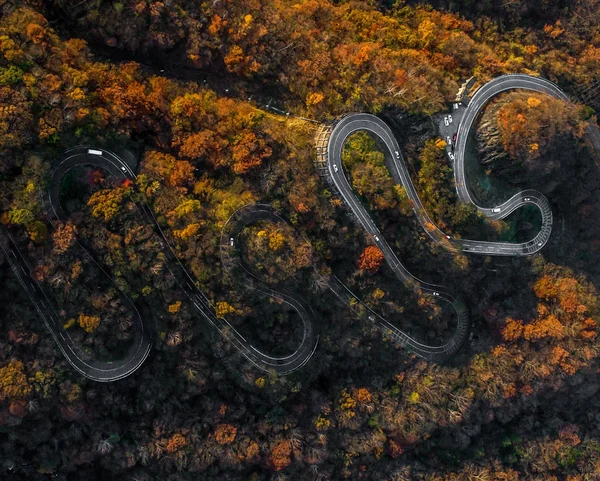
{"type": "Point", "coordinates": [376, 238]}
{"type": "Point", "coordinates": [448, 237]}
{"type": "Point", "coordinates": [454, 136]}
{"type": "Point", "coordinates": [446, 123]}
{"type": "Point", "coordinates": [335, 168]}
{"type": "Point", "coordinates": [231, 241]}
{"type": "Point", "coordinates": [436, 293]}
{"type": "Point", "coordinates": [397, 153]}
{"type": "Point", "coordinates": [527, 199]}
{"type": "Point", "coordinates": [496, 209]}
{"type": "Point", "coordinates": [371, 318]}
{"type": "Point", "coordinates": [449, 119]}
{"type": "Point", "coordinates": [540, 244]}
{"type": "Point", "coordinates": [451, 155]}
{"type": "Point", "coordinates": [455, 106]}
{"type": "Point", "coordinates": [123, 169]}
{"type": "Point", "coordinates": [448, 140]}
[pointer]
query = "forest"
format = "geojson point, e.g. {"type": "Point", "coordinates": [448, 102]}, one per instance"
{"type": "Point", "coordinates": [216, 105]}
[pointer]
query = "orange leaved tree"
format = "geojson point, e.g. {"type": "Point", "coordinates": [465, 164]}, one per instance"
{"type": "Point", "coordinates": [370, 259]}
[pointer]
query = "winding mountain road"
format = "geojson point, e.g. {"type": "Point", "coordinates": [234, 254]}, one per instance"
{"type": "Point", "coordinates": [376, 127]}
{"type": "Point", "coordinates": [330, 153]}
{"type": "Point", "coordinates": [232, 261]}
{"type": "Point", "coordinates": [476, 105]}
{"type": "Point", "coordinates": [331, 156]}
{"type": "Point", "coordinates": [118, 369]}
{"type": "Point", "coordinates": [102, 371]}
{"type": "Point", "coordinates": [398, 169]}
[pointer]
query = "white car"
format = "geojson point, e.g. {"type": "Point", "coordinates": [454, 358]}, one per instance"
{"type": "Point", "coordinates": [123, 169]}
{"type": "Point", "coordinates": [397, 153]}
{"type": "Point", "coordinates": [436, 293]}
{"type": "Point", "coordinates": [448, 140]}
{"type": "Point", "coordinates": [451, 155]}
{"type": "Point", "coordinates": [371, 318]}
{"type": "Point", "coordinates": [497, 209]}
{"type": "Point", "coordinates": [376, 238]}
{"type": "Point", "coordinates": [335, 169]}
{"type": "Point", "coordinates": [455, 106]}
{"type": "Point", "coordinates": [450, 119]}
{"type": "Point", "coordinates": [448, 237]}
{"type": "Point", "coordinates": [527, 199]}
{"type": "Point", "coordinates": [446, 123]}
{"type": "Point", "coordinates": [540, 244]}
{"type": "Point", "coordinates": [231, 241]}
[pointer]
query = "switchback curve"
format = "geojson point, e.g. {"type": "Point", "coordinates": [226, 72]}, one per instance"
{"type": "Point", "coordinates": [475, 105]}
{"type": "Point", "coordinates": [102, 371]}
{"type": "Point", "coordinates": [230, 259]}
{"type": "Point", "coordinates": [337, 139]}
{"type": "Point", "coordinates": [119, 168]}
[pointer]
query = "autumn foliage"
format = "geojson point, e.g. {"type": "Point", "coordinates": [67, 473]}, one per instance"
{"type": "Point", "coordinates": [88, 323]}
{"type": "Point", "coordinates": [175, 442]}
{"type": "Point", "coordinates": [219, 130]}
{"type": "Point", "coordinates": [363, 395]}
{"type": "Point", "coordinates": [222, 308]}
{"type": "Point", "coordinates": [225, 433]}
{"type": "Point", "coordinates": [107, 203]}
{"type": "Point", "coordinates": [280, 456]}
{"type": "Point", "coordinates": [64, 237]}
{"type": "Point", "coordinates": [371, 259]}
{"type": "Point", "coordinates": [507, 412]}
{"type": "Point", "coordinates": [177, 173]}
{"type": "Point", "coordinates": [528, 122]}
{"type": "Point", "coordinates": [13, 381]}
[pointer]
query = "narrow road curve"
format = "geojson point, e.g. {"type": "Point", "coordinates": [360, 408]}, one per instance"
{"type": "Point", "coordinates": [231, 260]}
{"type": "Point", "coordinates": [336, 138]}
{"type": "Point", "coordinates": [383, 135]}
{"type": "Point", "coordinates": [476, 104]}
{"type": "Point", "coordinates": [90, 368]}
{"type": "Point", "coordinates": [330, 145]}
{"type": "Point", "coordinates": [399, 171]}
{"type": "Point", "coordinates": [112, 371]}
{"type": "Point", "coordinates": [102, 371]}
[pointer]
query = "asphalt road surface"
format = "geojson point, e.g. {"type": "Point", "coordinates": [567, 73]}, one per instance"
{"type": "Point", "coordinates": [397, 166]}
{"type": "Point", "coordinates": [141, 344]}
{"type": "Point", "coordinates": [377, 128]}
{"type": "Point", "coordinates": [119, 168]}
{"type": "Point", "coordinates": [88, 367]}
{"type": "Point", "coordinates": [476, 104]}
{"type": "Point", "coordinates": [232, 261]}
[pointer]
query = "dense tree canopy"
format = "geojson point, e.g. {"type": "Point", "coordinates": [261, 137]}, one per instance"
{"type": "Point", "coordinates": [520, 400]}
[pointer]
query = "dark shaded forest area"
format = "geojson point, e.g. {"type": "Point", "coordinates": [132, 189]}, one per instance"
{"type": "Point", "coordinates": [181, 89]}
